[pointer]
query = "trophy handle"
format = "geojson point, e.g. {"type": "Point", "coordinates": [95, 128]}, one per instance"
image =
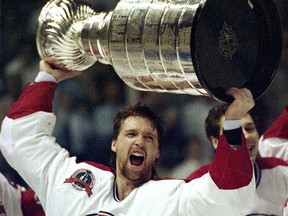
{"type": "Point", "coordinates": [59, 34]}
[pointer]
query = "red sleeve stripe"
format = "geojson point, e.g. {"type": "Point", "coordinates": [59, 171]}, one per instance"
{"type": "Point", "coordinates": [100, 166]}
{"type": "Point", "coordinates": [231, 168]}
{"type": "Point", "coordinates": [198, 173]}
{"type": "Point", "coordinates": [270, 162]}
{"type": "Point", "coordinates": [279, 127]}
{"type": "Point", "coordinates": [35, 97]}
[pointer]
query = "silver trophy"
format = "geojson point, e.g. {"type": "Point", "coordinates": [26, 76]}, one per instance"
{"type": "Point", "coordinates": [192, 47]}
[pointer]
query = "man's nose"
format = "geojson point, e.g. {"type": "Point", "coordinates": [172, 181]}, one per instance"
{"type": "Point", "coordinates": [140, 140]}
{"type": "Point", "coordinates": [246, 134]}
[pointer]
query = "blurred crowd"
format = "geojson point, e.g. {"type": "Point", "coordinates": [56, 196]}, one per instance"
{"type": "Point", "coordinates": [85, 105]}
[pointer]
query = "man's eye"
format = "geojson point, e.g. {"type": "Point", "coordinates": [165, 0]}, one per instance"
{"type": "Point", "coordinates": [150, 138]}
{"type": "Point", "coordinates": [250, 129]}
{"type": "Point", "coordinates": [130, 134]}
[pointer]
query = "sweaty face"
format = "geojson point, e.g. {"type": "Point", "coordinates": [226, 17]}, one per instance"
{"type": "Point", "coordinates": [136, 149]}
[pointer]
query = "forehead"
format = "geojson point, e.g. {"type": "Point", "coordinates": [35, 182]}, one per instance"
{"type": "Point", "coordinates": [138, 123]}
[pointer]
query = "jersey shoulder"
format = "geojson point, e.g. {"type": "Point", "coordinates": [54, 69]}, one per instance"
{"type": "Point", "coordinates": [198, 173]}
{"type": "Point", "coordinates": [270, 162]}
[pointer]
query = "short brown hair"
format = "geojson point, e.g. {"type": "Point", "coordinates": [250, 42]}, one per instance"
{"type": "Point", "coordinates": [142, 111]}
{"type": "Point", "coordinates": [212, 121]}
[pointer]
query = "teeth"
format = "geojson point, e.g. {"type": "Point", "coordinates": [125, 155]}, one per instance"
{"type": "Point", "coordinates": [137, 154]}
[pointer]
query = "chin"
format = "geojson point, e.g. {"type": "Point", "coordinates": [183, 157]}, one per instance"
{"type": "Point", "coordinates": [253, 158]}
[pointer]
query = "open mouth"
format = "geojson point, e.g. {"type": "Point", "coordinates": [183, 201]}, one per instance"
{"type": "Point", "coordinates": [136, 159]}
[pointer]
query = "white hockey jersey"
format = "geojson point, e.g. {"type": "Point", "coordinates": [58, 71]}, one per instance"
{"type": "Point", "coordinates": [10, 197]}
{"type": "Point", "coordinates": [16, 200]}
{"type": "Point", "coordinates": [66, 187]}
{"type": "Point", "coordinates": [271, 175]}
{"type": "Point", "coordinates": [274, 141]}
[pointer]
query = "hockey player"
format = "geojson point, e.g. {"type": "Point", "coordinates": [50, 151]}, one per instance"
{"type": "Point", "coordinates": [271, 173]}
{"type": "Point", "coordinates": [66, 187]}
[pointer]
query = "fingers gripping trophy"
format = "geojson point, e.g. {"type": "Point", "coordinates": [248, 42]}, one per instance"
{"type": "Point", "coordinates": [197, 47]}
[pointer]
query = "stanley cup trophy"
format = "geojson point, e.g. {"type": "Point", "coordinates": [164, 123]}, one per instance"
{"type": "Point", "coordinates": [197, 47]}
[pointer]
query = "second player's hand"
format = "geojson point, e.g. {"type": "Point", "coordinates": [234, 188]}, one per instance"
{"type": "Point", "coordinates": [242, 103]}
{"type": "Point", "coordinates": [58, 74]}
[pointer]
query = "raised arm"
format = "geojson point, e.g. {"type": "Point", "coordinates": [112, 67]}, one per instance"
{"type": "Point", "coordinates": [231, 166]}
{"type": "Point", "coordinates": [26, 139]}
{"type": "Point", "coordinates": [229, 178]}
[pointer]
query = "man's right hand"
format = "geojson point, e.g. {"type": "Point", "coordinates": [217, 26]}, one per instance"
{"type": "Point", "coordinates": [58, 74]}
{"type": "Point", "coordinates": [242, 103]}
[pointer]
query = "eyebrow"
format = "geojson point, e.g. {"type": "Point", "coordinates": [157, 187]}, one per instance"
{"type": "Point", "coordinates": [151, 134]}
{"type": "Point", "coordinates": [145, 133]}
{"type": "Point", "coordinates": [249, 124]}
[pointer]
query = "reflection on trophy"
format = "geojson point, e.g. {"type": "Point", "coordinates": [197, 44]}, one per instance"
{"type": "Point", "coordinates": [192, 47]}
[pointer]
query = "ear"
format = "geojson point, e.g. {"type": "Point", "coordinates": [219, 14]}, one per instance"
{"type": "Point", "coordinates": [158, 154]}
{"type": "Point", "coordinates": [113, 145]}
{"type": "Point", "coordinates": [214, 141]}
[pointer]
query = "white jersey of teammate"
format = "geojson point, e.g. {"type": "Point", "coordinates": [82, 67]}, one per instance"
{"type": "Point", "coordinates": [66, 187]}
{"type": "Point", "coordinates": [16, 200]}
{"type": "Point", "coordinates": [10, 197]}
{"type": "Point", "coordinates": [274, 141]}
{"type": "Point", "coordinates": [271, 175]}
{"type": "Point", "coordinates": [271, 186]}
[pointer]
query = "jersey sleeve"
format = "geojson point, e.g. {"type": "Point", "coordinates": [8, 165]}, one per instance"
{"type": "Point", "coordinates": [231, 168]}
{"type": "Point", "coordinates": [274, 141]}
{"type": "Point", "coordinates": [227, 180]}
{"type": "Point", "coordinates": [26, 141]}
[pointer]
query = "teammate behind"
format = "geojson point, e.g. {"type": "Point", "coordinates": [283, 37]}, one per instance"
{"type": "Point", "coordinates": [271, 173]}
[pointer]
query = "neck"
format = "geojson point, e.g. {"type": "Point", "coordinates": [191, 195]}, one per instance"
{"type": "Point", "coordinates": [124, 185]}
{"type": "Point", "coordinates": [257, 172]}
{"type": "Point", "coordinates": [123, 188]}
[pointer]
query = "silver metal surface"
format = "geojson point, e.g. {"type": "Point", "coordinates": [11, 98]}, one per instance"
{"type": "Point", "coordinates": [146, 41]}
{"type": "Point", "coordinates": [59, 34]}
{"type": "Point", "coordinates": [197, 47]}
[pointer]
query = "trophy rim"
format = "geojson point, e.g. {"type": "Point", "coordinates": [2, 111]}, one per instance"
{"type": "Point", "coordinates": [265, 71]}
